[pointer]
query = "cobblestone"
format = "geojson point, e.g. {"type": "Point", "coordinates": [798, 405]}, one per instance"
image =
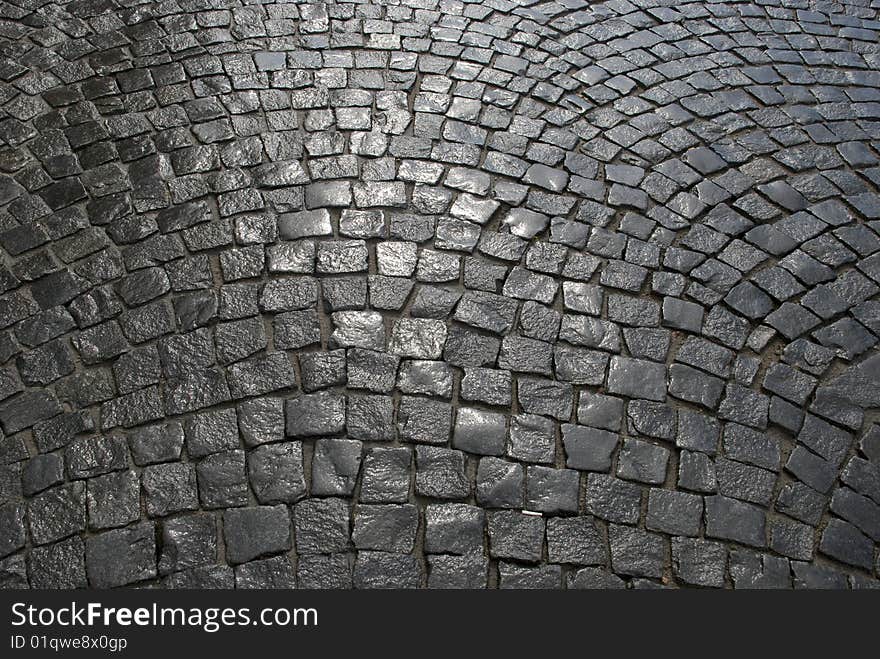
{"type": "Point", "coordinates": [431, 294]}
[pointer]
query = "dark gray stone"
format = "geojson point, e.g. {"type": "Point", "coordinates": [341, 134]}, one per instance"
{"type": "Point", "coordinates": [121, 556]}
{"type": "Point", "coordinates": [729, 519]}
{"type": "Point", "coordinates": [254, 532]}
{"type": "Point", "coordinates": [335, 466]}
{"type": "Point", "coordinates": [515, 535]}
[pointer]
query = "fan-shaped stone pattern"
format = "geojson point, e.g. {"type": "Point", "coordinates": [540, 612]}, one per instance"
{"type": "Point", "coordinates": [439, 294]}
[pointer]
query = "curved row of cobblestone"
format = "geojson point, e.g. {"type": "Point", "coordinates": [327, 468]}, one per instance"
{"type": "Point", "coordinates": [439, 293]}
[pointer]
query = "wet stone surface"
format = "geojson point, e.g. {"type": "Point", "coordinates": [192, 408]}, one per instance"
{"type": "Point", "coordinates": [503, 294]}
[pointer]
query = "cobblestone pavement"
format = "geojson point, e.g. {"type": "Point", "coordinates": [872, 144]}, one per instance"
{"type": "Point", "coordinates": [439, 293]}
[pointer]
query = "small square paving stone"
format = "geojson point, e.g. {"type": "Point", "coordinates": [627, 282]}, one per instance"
{"type": "Point", "coordinates": [551, 490]}
{"type": "Point", "coordinates": [335, 466]}
{"type": "Point", "coordinates": [575, 540]}
{"type": "Point", "coordinates": [792, 539]}
{"type": "Point", "coordinates": [358, 329]}
{"type": "Point", "coordinates": [480, 432]}
{"type": "Point", "coordinates": [261, 421]}
{"type": "Point", "coordinates": [222, 480]}
{"type": "Point", "coordinates": [317, 414]}
{"type": "Point", "coordinates": [532, 439]}
{"type": "Point", "coordinates": [362, 224]}
{"type": "Point", "coordinates": [539, 396]}
{"type": "Point", "coordinates": [744, 482]}
{"type": "Point", "coordinates": [744, 406]}
{"type": "Point", "coordinates": [238, 339]}
{"type": "Point", "coordinates": [189, 392]}
{"type": "Point", "coordinates": [376, 569]}
{"type": "Point", "coordinates": [699, 432]}
{"type": "Point", "coordinates": [699, 562]}
{"type": "Point", "coordinates": [211, 432]}
{"type": "Point", "coordinates": [423, 420]}
{"type": "Point", "coordinates": [188, 541]}
{"type": "Point", "coordinates": [341, 256]}
{"type": "Point", "coordinates": [582, 298]}
{"type": "Point", "coordinates": [466, 347]}
{"type": "Point", "coordinates": [265, 574]}
{"type": "Point", "coordinates": [789, 383]}
{"type": "Point", "coordinates": [675, 513]}
{"type": "Point", "coordinates": [525, 223]}
{"type": "Point", "coordinates": [426, 377]}
{"type": "Point", "coordinates": [421, 338]}
{"type": "Point", "coordinates": [369, 417]}
{"type": "Point", "coordinates": [500, 484]}
{"type": "Point", "coordinates": [524, 284]}
{"type": "Point", "coordinates": [261, 375]}
{"type": "Point", "coordinates": [389, 293]}
{"type": "Point", "coordinates": [474, 209]}
{"type": "Point", "coordinates": [449, 571]}
{"type": "Point", "coordinates": [289, 294]}
{"type": "Point", "coordinates": [386, 475]}
{"type": "Point", "coordinates": [682, 315]}
{"type": "Point", "coordinates": [205, 577]}
{"type": "Point", "coordinates": [321, 526]}
{"type": "Point", "coordinates": [292, 226]}
{"type": "Point", "coordinates": [397, 259]}
{"type": "Point", "coordinates": [750, 569]}
{"type": "Point", "coordinates": [613, 499]}
{"type": "Point", "coordinates": [42, 472]}
{"type": "Point", "coordinates": [58, 566]}
{"type": "Point", "coordinates": [637, 378]}
{"type": "Point", "coordinates": [434, 302]}
{"type": "Point", "coordinates": [594, 578]}
{"type": "Point", "coordinates": [485, 385]}
{"type": "Point", "coordinates": [257, 531]}
{"type": "Point", "coordinates": [320, 370]}
{"type": "Point", "coordinates": [526, 355]}
{"type": "Point", "coordinates": [13, 573]}
{"type": "Point", "coordinates": [513, 576]}
{"type": "Point", "coordinates": [389, 527]}
{"type": "Point", "coordinates": [539, 322]}
{"type": "Point", "coordinates": [636, 553]}
{"type": "Point", "coordinates": [730, 519]}
{"type": "Point", "coordinates": [846, 543]}
{"type": "Point", "coordinates": [93, 456]}
{"type": "Point", "coordinates": [647, 343]}
{"type": "Point", "coordinates": [370, 370]}
{"type": "Point", "coordinates": [114, 499]}
{"type": "Point", "coordinates": [486, 311]}
{"type": "Point", "coordinates": [642, 461]}
{"type": "Point", "coordinates": [296, 329]}
{"type": "Point", "coordinates": [694, 386]}
{"type": "Point", "coordinates": [588, 449]}
{"type": "Point", "coordinates": [696, 471]}
{"type": "Point", "coordinates": [600, 411]}
{"type": "Point", "coordinates": [10, 480]}
{"type": "Point", "coordinates": [551, 179]}
{"type": "Point", "coordinates": [454, 528]}
{"type": "Point", "coordinates": [276, 473]}
{"type": "Point", "coordinates": [121, 556]}
{"type": "Point", "coordinates": [817, 577]}
{"type": "Point", "coordinates": [331, 571]}
{"type": "Point", "coordinates": [57, 513]}
{"type": "Point", "coordinates": [157, 443]}
{"type": "Point", "coordinates": [515, 535]}
{"type": "Point", "coordinates": [440, 473]}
